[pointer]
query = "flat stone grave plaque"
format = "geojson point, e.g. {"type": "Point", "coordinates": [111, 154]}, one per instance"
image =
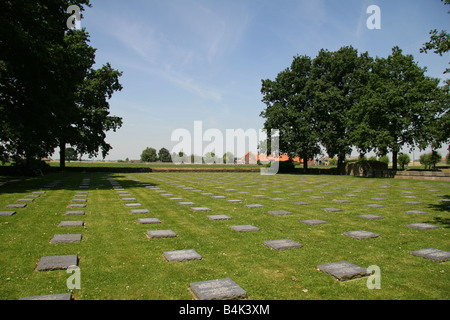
{"type": "Point", "coordinates": [313, 222]}
{"type": "Point", "coordinates": [200, 209]}
{"type": "Point", "coordinates": [301, 203]}
{"type": "Point", "coordinates": [379, 199]}
{"type": "Point", "coordinates": [79, 200]}
{"type": "Point", "coordinates": [74, 213]}
{"type": "Point", "coordinates": [254, 205]}
{"type": "Point", "coordinates": [277, 199]}
{"type": "Point", "coordinates": [80, 196]}
{"type": "Point", "coordinates": [125, 195]}
{"type": "Point", "coordinates": [207, 193]}
{"type": "Point", "coordinates": [282, 244]}
{"type": "Point", "coordinates": [71, 224]}
{"type": "Point", "coordinates": [416, 212]}
{"type": "Point", "coordinates": [317, 197]}
{"type": "Point", "coordinates": [422, 226]}
{"type": "Point", "coordinates": [128, 199]}
{"type": "Point", "coordinates": [7, 213]}
{"type": "Point", "coordinates": [244, 228]}
{"type": "Point", "coordinates": [361, 234]}
{"type": "Point", "coordinates": [280, 212]}
{"type": "Point", "coordinates": [219, 289]}
{"type": "Point", "coordinates": [133, 204]}
{"type": "Point", "coordinates": [57, 262]}
{"type": "Point", "coordinates": [35, 196]}
{"type": "Point", "coordinates": [181, 255]}
{"type": "Point", "coordinates": [219, 197]}
{"type": "Point", "coordinates": [175, 198]}
{"type": "Point", "coordinates": [258, 195]}
{"type": "Point", "coordinates": [375, 205]}
{"type": "Point", "coordinates": [349, 195]}
{"type": "Point", "coordinates": [332, 209]}
{"type": "Point", "coordinates": [413, 202]}
{"type": "Point", "coordinates": [342, 201]}
{"type": "Point", "coordinates": [16, 206]}
{"type": "Point", "coordinates": [50, 297]}
{"type": "Point", "coordinates": [370, 216]}
{"type": "Point", "coordinates": [183, 203]}
{"type": "Point", "coordinates": [76, 205]}
{"type": "Point", "coordinates": [161, 234]}
{"type": "Point", "coordinates": [139, 211]}
{"type": "Point", "coordinates": [148, 220]}
{"type": "Point", "coordinates": [219, 217]}
{"type": "Point", "coordinates": [25, 200]}
{"type": "Point", "coordinates": [66, 238]}
{"type": "Point", "coordinates": [343, 270]}
{"type": "Point", "coordinates": [234, 201]}
{"type": "Point", "coordinates": [39, 192]}
{"type": "Point", "coordinates": [432, 254]}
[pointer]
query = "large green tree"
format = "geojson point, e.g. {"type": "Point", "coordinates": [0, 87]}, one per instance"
{"type": "Point", "coordinates": [338, 80]}
{"type": "Point", "coordinates": [32, 51]}
{"type": "Point", "coordinates": [398, 105]}
{"type": "Point", "coordinates": [290, 110]}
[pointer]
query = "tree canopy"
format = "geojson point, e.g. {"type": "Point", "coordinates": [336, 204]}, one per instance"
{"type": "Point", "coordinates": [344, 99]}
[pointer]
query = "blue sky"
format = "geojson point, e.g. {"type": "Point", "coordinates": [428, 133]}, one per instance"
{"type": "Point", "coordinates": [203, 60]}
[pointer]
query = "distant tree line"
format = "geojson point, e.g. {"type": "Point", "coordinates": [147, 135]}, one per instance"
{"type": "Point", "coordinates": [150, 155]}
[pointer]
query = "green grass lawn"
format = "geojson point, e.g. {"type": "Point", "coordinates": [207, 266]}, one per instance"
{"type": "Point", "coordinates": [118, 261]}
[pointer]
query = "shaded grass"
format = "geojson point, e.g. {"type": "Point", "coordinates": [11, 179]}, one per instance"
{"type": "Point", "coordinates": [118, 261]}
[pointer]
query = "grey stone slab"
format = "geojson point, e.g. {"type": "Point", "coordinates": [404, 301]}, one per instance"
{"type": "Point", "coordinates": [219, 217]}
{"type": "Point", "coordinates": [370, 216]}
{"type": "Point", "coordinates": [244, 228]}
{"type": "Point", "coordinates": [66, 238]}
{"type": "Point", "coordinates": [219, 289]}
{"type": "Point", "coordinates": [148, 220]}
{"type": "Point", "coordinates": [413, 202]}
{"type": "Point", "coordinates": [200, 209]}
{"type": "Point", "coordinates": [301, 203]}
{"type": "Point", "coordinates": [277, 199]}
{"type": "Point", "coordinates": [16, 206]}
{"type": "Point", "coordinates": [128, 199]}
{"type": "Point", "coordinates": [254, 205]}
{"type": "Point", "coordinates": [342, 201]}
{"type": "Point", "coordinates": [234, 201]}
{"type": "Point", "coordinates": [125, 195]}
{"type": "Point", "coordinates": [76, 205]}
{"type": "Point", "coordinates": [139, 211]}
{"type": "Point", "coordinates": [35, 196]}
{"type": "Point", "coordinates": [432, 254]}
{"type": "Point", "coordinates": [74, 213]}
{"type": "Point", "coordinates": [379, 199]}
{"type": "Point", "coordinates": [280, 212]}
{"type": "Point", "coordinates": [161, 234]}
{"type": "Point", "coordinates": [175, 198]}
{"type": "Point", "coordinates": [343, 270]}
{"type": "Point", "coordinates": [416, 212]}
{"type": "Point", "coordinates": [7, 213]}
{"type": "Point", "coordinates": [80, 196]}
{"type": "Point", "coordinates": [375, 205]}
{"type": "Point", "coordinates": [282, 244]}
{"type": "Point", "coordinates": [39, 192]}
{"type": "Point", "coordinates": [422, 226]}
{"type": "Point", "coordinates": [184, 203]}
{"type": "Point", "coordinates": [79, 200]}
{"type": "Point", "coordinates": [181, 255]}
{"type": "Point", "coordinates": [313, 222]}
{"type": "Point", "coordinates": [131, 205]}
{"type": "Point", "coordinates": [332, 209]}
{"type": "Point", "coordinates": [57, 262]}
{"type": "Point", "coordinates": [361, 234]}
{"type": "Point", "coordinates": [62, 296]}
{"type": "Point", "coordinates": [25, 200]}
{"type": "Point", "coordinates": [219, 197]}
{"type": "Point", "coordinates": [71, 224]}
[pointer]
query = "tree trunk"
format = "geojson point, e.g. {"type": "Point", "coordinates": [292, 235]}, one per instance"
{"type": "Point", "coordinates": [62, 155]}
{"type": "Point", "coordinates": [305, 163]}
{"type": "Point", "coordinates": [394, 160]}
